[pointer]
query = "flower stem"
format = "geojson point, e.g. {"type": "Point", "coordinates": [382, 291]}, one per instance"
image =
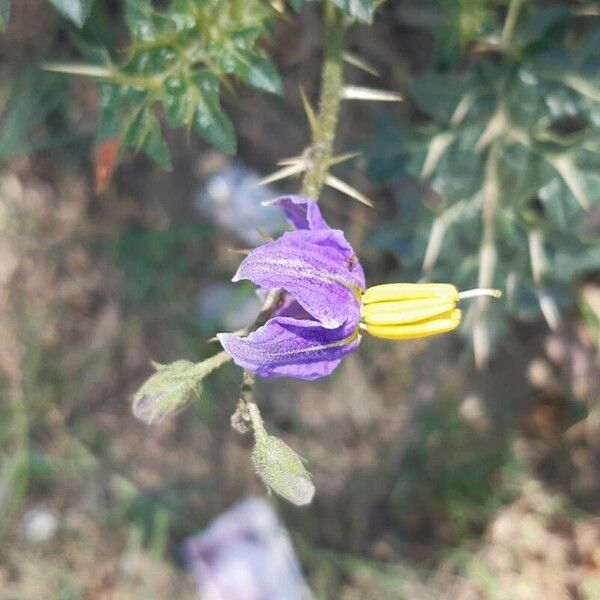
{"type": "Point", "coordinates": [208, 365]}
{"type": "Point", "coordinates": [321, 147]}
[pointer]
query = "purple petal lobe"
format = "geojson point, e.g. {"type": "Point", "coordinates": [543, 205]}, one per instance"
{"type": "Point", "coordinates": [318, 268]}
{"type": "Point", "coordinates": [301, 212]}
{"type": "Point", "coordinates": [286, 347]}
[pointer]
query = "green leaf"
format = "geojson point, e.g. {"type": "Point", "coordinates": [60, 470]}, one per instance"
{"type": "Point", "coordinates": [167, 392]}
{"type": "Point", "coordinates": [144, 22]}
{"type": "Point", "coordinates": [4, 13]}
{"type": "Point", "coordinates": [178, 101]}
{"type": "Point", "coordinates": [74, 10]}
{"type": "Point", "coordinates": [118, 104]}
{"type": "Point", "coordinates": [259, 71]}
{"type": "Point", "coordinates": [209, 119]}
{"type": "Point", "coordinates": [282, 469]}
{"type": "Point", "coordinates": [144, 134]}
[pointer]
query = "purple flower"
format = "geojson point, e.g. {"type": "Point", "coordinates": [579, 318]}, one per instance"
{"type": "Point", "coordinates": [317, 321]}
{"type": "Point", "coordinates": [325, 304]}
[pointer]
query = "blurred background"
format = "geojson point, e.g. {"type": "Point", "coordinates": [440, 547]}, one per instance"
{"type": "Point", "coordinates": [434, 478]}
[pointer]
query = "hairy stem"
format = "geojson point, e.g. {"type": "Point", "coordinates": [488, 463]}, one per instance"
{"type": "Point", "coordinates": [208, 365]}
{"type": "Point", "coordinates": [321, 147]}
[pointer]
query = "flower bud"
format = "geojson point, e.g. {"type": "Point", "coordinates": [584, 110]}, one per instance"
{"type": "Point", "coordinates": [167, 392]}
{"type": "Point", "coordinates": [282, 470]}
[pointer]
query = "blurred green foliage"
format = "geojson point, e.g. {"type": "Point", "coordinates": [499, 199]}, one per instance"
{"type": "Point", "coordinates": [155, 262]}
{"type": "Point", "coordinates": [495, 181]}
{"type": "Point", "coordinates": [33, 113]}
{"type": "Point", "coordinates": [179, 58]}
{"type": "Point", "coordinates": [452, 473]}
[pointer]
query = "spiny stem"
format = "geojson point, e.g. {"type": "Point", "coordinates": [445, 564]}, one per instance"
{"type": "Point", "coordinates": [321, 148]}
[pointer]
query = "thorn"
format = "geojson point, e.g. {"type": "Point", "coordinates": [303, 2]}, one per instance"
{"type": "Point", "coordinates": [313, 121]}
{"type": "Point", "coordinates": [292, 160]}
{"type": "Point", "coordinates": [435, 150]}
{"type": "Point", "coordinates": [360, 63]}
{"type": "Point", "coordinates": [565, 167]}
{"type": "Point", "coordinates": [75, 69]}
{"type": "Point", "coordinates": [340, 158]}
{"type": "Point", "coordinates": [495, 126]}
{"type": "Point", "coordinates": [278, 6]}
{"type": "Point", "coordinates": [550, 310]}
{"type": "Point", "coordinates": [434, 245]}
{"type": "Point", "coordinates": [294, 169]}
{"type": "Point", "coordinates": [355, 92]}
{"type": "Point", "coordinates": [343, 187]}
{"type": "Point", "coordinates": [462, 108]}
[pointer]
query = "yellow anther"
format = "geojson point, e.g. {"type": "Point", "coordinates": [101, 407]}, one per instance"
{"type": "Point", "coordinates": [440, 324]}
{"type": "Point", "coordinates": [406, 311]}
{"type": "Point", "coordinates": [408, 291]}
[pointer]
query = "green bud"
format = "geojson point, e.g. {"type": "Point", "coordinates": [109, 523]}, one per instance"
{"type": "Point", "coordinates": [282, 470]}
{"type": "Point", "coordinates": [167, 392]}
{"type": "Point", "coordinates": [173, 387]}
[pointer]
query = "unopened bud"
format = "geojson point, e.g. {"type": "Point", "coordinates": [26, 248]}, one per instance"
{"type": "Point", "coordinates": [282, 470]}
{"type": "Point", "coordinates": [167, 392]}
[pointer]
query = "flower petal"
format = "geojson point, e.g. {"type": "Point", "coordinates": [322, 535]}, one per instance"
{"type": "Point", "coordinates": [318, 268]}
{"type": "Point", "coordinates": [286, 347]}
{"type": "Point", "coordinates": [301, 212]}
